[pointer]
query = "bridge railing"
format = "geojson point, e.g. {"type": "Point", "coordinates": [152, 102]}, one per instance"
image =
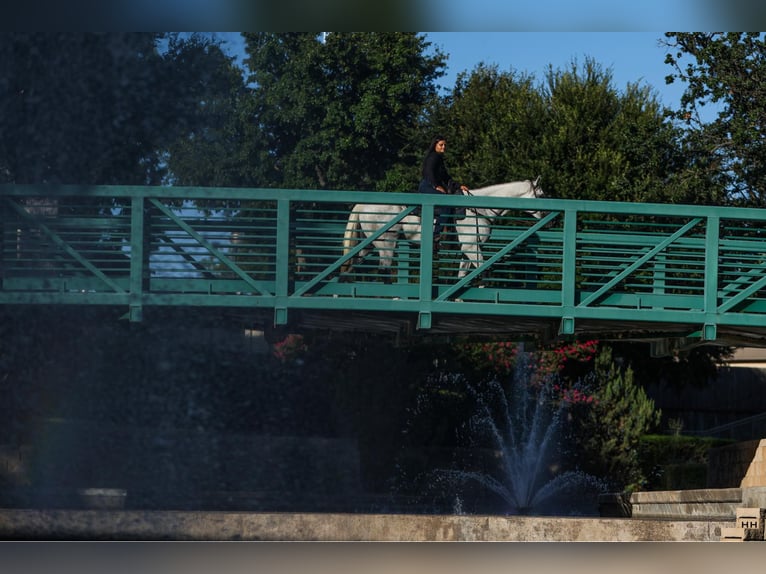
{"type": "Point", "coordinates": [583, 265]}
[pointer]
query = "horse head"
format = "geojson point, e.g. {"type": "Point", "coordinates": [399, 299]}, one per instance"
{"type": "Point", "coordinates": [537, 190]}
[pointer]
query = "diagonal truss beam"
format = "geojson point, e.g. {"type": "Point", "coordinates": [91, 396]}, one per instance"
{"type": "Point", "coordinates": [353, 252]}
{"type": "Point", "coordinates": [71, 251]}
{"type": "Point", "coordinates": [495, 257]}
{"type": "Point", "coordinates": [742, 295]}
{"type": "Point", "coordinates": [220, 255]}
{"type": "Point", "coordinates": [593, 297]}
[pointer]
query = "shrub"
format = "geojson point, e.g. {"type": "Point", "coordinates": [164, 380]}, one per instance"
{"type": "Point", "coordinates": [676, 462]}
{"type": "Point", "coordinates": [608, 430]}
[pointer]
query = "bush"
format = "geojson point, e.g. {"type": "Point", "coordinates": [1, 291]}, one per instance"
{"type": "Point", "coordinates": [676, 462]}
{"type": "Point", "coordinates": [608, 430]}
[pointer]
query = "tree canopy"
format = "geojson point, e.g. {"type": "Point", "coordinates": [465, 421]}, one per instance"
{"type": "Point", "coordinates": [97, 108]}
{"type": "Point", "coordinates": [338, 110]}
{"type": "Point", "coordinates": [356, 111]}
{"type": "Point", "coordinates": [726, 71]}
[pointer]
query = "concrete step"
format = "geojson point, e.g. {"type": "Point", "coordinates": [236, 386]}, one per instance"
{"type": "Point", "coordinates": [748, 526]}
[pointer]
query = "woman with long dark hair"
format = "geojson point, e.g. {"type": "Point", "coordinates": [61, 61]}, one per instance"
{"type": "Point", "coordinates": [436, 179]}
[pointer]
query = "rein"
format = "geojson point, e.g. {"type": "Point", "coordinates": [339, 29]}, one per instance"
{"type": "Point", "coordinates": [475, 213]}
{"type": "Point", "coordinates": [496, 212]}
{"type": "Point", "coordinates": [493, 212]}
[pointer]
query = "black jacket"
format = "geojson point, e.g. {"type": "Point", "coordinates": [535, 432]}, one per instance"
{"type": "Point", "coordinates": [435, 170]}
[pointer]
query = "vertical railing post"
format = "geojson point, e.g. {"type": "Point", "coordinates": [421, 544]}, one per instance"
{"type": "Point", "coordinates": [282, 262]}
{"type": "Point", "coordinates": [426, 265]}
{"type": "Point", "coordinates": [659, 274]}
{"type": "Point", "coordinates": [712, 245]}
{"type": "Point", "coordinates": [138, 263]}
{"type": "Point", "coordinates": [3, 263]}
{"type": "Point", "coordinates": [569, 272]}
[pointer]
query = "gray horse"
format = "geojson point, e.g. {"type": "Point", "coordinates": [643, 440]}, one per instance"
{"type": "Point", "coordinates": [473, 228]}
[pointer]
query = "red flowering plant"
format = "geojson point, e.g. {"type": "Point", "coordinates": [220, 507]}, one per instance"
{"type": "Point", "coordinates": [568, 363]}
{"type": "Point", "coordinates": [290, 349]}
{"type": "Point", "coordinates": [564, 363]}
{"type": "Point", "coordinates": [493, 357]}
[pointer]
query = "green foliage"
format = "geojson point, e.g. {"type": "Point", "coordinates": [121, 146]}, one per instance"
{"type": "Point", "coordinates": [338, 113]}
{"type": "Point", "coordinates": [587, 139]}
{"type": "Point", "coordinates": [86, 108]}
{"type": "Point", "coordinates": [675, 462]}
{"type": "Point", "coordinates": [492, 120]}
{"type": "Point", "coordinates": [608, 432]}
{"type": "Point", "coordinates": [210, 151]}
{"type": "Point", "coordinates": [603, 144]}
{"type": "Point", "coordinates": [728, 71]}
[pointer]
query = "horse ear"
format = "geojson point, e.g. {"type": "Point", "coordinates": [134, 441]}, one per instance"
{"type": "Point", "coordinates": [537, 181]}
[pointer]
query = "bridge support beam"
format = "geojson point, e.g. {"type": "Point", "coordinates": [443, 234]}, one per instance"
{"type": "Point", "coordinates": [280, 316]}
{"type": "Point", "coordinates": [709, 332]}
{"type": "Point", "coordinates": [424, 320]}
{"type": "Point", "coordinates": [567, 326]}
{"type": "Point", "coordinates": [135, 313]}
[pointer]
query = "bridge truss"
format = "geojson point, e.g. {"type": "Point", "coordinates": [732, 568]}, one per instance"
{"type": "Point", "coordinates": [600, 269]}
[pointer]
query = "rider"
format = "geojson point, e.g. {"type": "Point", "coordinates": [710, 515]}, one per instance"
{"type": "Point", "coordinates": [436, 179]}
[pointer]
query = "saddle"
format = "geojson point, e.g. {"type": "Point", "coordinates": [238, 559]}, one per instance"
{"type": "Point", "coordinates": [453, 188]}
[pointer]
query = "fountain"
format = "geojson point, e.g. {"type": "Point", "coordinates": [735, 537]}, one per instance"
{"type": "Point", "coordinates": [521, 428]}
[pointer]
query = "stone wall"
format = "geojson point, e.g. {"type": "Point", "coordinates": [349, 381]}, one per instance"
{"type": "Point", "coordinates": [728, 465]}
{"type": "Point", "coordinates": [177, 469]}
{"type": "Point", "coordinates": [736, 394]}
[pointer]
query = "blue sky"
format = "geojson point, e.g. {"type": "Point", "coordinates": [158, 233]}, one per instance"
{"type": "Point", "coordinates": [631, 56]}
{"type": "Point", "coordinates": [474, 15]}
{"type": "Point", "coordinates": [590, 15]}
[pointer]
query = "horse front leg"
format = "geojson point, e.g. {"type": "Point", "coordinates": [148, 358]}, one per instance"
{"type": "Point", "coordinates": [472, 257]}
{"type": "Point", "coordinates": [348, 268]}
{"type": "Point", "coordinates": [386, 252]}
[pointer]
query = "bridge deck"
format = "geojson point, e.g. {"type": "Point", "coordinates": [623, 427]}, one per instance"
{"type": "Point", "coordinates": [603, 269]}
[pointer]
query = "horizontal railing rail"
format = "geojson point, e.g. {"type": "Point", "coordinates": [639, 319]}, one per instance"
{"type": "Point", "coordinates": [582, 266]}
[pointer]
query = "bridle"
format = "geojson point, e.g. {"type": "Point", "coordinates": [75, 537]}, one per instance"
{"type": "Point", "coordinates": [498, 213]}
{"type": "Point", "coordinates": [494, 212]}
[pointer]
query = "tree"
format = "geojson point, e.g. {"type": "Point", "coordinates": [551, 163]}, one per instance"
{"type": "Point", "coordinates": [336, 111]}
{"type": "Point", "coordinates": [608, 429]}
{"type": "Point", "coordinates": [603, 144]}
{"type": "Point", "coordinates": [87, 108]}
{"type": "Point", "coordinates": [587, 139]}
{"type": "Point", "coordinates": [726, 70]}
{"type": "Point", "coordinates": [492, 119]}
{"type": "Point", "coordinates": [208, 148]}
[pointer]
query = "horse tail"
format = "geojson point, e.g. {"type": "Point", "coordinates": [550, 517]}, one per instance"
{"type": "Point", "coordinates": [350, 237]}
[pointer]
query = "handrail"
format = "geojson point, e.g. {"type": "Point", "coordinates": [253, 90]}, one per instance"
{"type": "Point", "coordinates": [603, 268]}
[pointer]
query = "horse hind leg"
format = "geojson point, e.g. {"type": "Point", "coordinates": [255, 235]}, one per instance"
{"type": "Point", "coordinates": [386, 268]}
{"type": "Point", "coordinates": [348, 268]}
{"type": "Point", "coordinates": [387, 274]}
{"type": "Point", "coordinates": [470, 259]}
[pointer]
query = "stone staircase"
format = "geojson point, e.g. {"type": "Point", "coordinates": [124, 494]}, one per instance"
{"type": "Point", "coordinates": [736, 490]}
{"type": "Point", "coordinates": [748, 526]}
{"type": "Point", "coordinates": [749, 522]}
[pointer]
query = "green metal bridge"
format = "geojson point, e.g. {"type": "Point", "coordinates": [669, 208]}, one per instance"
{"type": "Point", "coordinates": [274, 256]}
